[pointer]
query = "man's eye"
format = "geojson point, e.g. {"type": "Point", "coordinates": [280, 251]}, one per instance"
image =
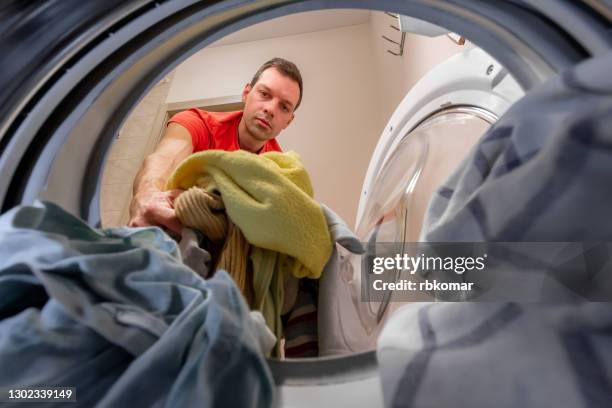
{"type": "Point", "coordinates": [263, 93]}
{"type": "Point", "coordinates": [285, 108]}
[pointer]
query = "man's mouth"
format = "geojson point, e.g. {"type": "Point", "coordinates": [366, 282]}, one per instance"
{"type": "Point", "coordinates": [264, 122]}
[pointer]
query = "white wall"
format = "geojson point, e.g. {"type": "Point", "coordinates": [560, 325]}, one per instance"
{"type": "Point", "coordinates": [398, 74]}
{"type": "Point", "coordinates": [337, 125]}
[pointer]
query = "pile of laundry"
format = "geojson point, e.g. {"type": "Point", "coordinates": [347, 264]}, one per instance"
{"type": "Point", "coordinates": [262, 225]}
{"type": "Point", "coordinates": [117, 315]}
{"type": "Point", "coordinates": [128, 314]}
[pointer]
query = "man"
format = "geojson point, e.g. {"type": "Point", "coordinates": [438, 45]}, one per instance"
{"type": "Point", "coordinates": [270, 100]}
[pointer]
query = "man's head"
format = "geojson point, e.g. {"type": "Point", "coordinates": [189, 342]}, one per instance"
{"type": "Point", "coordinates": [270, 100]}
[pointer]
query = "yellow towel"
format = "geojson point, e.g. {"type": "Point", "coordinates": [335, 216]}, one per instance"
{"type": "Point", "coordinates": [269, 197]}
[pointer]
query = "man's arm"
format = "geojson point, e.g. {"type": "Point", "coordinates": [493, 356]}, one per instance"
{"type": "Point", "coordinates": [151, 205]}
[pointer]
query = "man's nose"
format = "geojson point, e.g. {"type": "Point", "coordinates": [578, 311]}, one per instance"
{"type": "Point", "coordinates": [269, 108]}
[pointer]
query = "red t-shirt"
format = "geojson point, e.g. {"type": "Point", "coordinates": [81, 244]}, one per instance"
{"type": "Point", "coordinates": [216, 130]}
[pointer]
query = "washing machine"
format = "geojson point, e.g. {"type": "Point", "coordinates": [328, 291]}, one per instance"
{"type": "Point", "coordinates": [429, 134]}
{"type": "Point", "coordinates": [73, 70]}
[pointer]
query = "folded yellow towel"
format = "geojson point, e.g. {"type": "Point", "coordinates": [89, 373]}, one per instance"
{"type": "Point", "coordinates": [269, 197]}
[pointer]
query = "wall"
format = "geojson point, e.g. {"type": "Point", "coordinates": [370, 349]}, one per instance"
{"type": "Point", "coordinates": [397, 75]}
{"type": "Point", "coordinates": [336, 127]}
{"type": "Point", "coordinates": [127, 154]}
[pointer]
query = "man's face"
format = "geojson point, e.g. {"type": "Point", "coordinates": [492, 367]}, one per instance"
{"type": "Point", "coordinates": [269, 104]}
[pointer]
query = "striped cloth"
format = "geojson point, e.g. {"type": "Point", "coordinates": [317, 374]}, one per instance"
{"type": "Point", "coordinates": [542, 173]}
{"type": "Point", "coordinates": [310, 327]}
{"type": "Point", "coordinates": [300, 324]}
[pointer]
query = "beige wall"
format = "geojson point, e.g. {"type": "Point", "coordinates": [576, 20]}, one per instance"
{"type": "Point", "coordinates": [396, 75]}
{"type": "Point", "coordinates": [127, 154]}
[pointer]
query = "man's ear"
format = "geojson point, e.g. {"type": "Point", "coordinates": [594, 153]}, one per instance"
{"type": "Point", "coordinates": [245, 91]}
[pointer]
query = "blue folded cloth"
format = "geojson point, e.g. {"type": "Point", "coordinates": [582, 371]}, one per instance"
{"type": "Point", "coordinates": [116, 314]}
{"type": "Point", "coordinates": [542, 173]}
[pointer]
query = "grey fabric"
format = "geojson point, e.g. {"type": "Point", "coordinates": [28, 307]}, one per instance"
{"type": "Point", "coordinates": [340, 232]}
{"type": "Point", "coordinates": [332, 285]}
{"type": "Point", "coordinates": [542, 173]}
{"type": "Point", "coordinates": [265, 338]}
{"type": "Point", "coordinates": [115, 314]}
{"type": "Point", "coordinates": [192, 254]}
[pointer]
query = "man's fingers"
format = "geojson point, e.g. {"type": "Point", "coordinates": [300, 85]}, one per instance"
{"type": "Point", "coordinates": [167, 218]}
{"type": "Point", "coordinates": [158, 210]}
{"type": "Point", "coordinates": [173, 194]}
{"type": "Point", "coordinates": [135, 222]}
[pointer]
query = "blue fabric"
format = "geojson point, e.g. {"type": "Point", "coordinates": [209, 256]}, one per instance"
{"type": "Point", "coordinates": [115, 314]}
{"type": "Point", "coordinates": [542, 173]}
{"type": "Point", "coordinates": [497, 355]}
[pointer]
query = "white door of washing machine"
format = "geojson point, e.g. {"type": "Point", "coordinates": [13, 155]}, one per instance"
{"type": "Point", "coordinates": [427, 137]}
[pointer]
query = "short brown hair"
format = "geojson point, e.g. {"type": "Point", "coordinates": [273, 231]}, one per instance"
{"type": "Point", "coordinates": [287, 68]}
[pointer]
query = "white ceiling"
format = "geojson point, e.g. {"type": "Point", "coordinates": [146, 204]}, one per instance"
{"type": "Point", "coordinates": [297, 24]}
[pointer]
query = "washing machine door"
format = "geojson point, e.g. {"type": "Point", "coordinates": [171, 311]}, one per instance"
{"type": "Point", "coordinates": [426, 139]}
{"type": "Point", "coordinates": [472, 83]}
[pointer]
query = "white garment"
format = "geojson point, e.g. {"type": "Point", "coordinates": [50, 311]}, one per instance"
{"type": "Point", "coordinates": [265, 338]}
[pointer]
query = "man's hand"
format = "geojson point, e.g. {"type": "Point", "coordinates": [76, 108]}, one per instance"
{"type": "Point", "coordinates": [156, 209]}
{"type": "Point", "coordinates": [150, 204]}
